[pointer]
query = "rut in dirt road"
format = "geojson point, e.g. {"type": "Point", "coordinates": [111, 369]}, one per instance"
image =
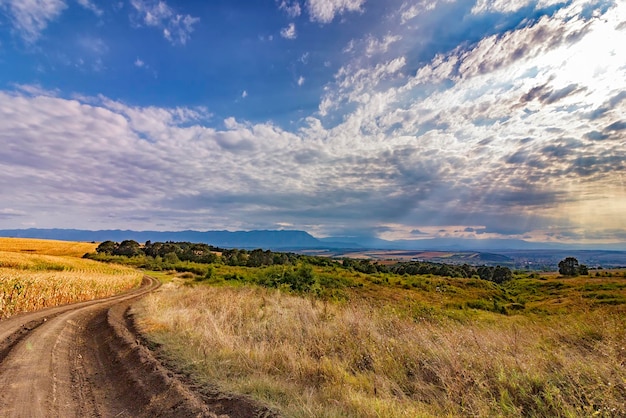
{"type": "Point", "coordinates": [82, 360]}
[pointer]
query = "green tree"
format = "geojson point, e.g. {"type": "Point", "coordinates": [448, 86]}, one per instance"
{"type": "Point", "coordinates": [128, 248]}
{"type": "Point", "coordinates": [501, 274]}
{"type": "Point", "coordinates": [569, 267]}
{"type": "Point", "coordinates": [107, 247]}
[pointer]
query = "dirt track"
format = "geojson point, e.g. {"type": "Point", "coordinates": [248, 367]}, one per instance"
{"type": "Point", "coordinates": [84, 360]}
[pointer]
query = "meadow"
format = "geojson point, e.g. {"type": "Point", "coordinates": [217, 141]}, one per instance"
{"type": "Point", "coordinates": [36, 274]}
{"type": "Point", "coordinates": [385, 345]}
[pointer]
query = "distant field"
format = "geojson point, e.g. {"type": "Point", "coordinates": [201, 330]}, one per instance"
{"type": "Point", "coordinates": [46, 247]}
{"type": "Point", "coordinates": [36, 274]}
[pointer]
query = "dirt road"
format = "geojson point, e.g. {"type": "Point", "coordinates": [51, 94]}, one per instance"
{"type": "Point", "coordinates": [84, 360]}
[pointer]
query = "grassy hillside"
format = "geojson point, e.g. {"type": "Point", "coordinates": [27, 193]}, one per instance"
{"type": "Point", "coordinates": [36, 274]}
{"type": "Point", "coordinates": [370, 345]}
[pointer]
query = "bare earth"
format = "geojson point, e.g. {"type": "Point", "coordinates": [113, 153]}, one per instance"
{"type": "Point", "coordinates": [85, 360]}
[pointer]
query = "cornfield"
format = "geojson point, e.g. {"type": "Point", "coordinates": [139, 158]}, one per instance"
{"type": "Point", "coordinates": [30, 279]}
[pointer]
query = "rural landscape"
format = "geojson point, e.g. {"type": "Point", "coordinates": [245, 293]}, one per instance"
{"type": "Point", "coordinates": [313, 208]}
{"type": "Point", "coordinates": [309, 336]}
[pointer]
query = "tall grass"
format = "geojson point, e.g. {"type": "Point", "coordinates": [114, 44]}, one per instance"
{"type": "Point", "coordinates": [311, 358]}
{"type": "Point", "coordinates": [31, 280]}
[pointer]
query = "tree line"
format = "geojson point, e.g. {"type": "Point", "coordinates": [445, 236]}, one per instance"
{"type": "Point", "coordinates": [170, 253]}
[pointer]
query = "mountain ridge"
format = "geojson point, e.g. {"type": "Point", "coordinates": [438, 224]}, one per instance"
{"type": "Point", "coordinates": [297, 239]}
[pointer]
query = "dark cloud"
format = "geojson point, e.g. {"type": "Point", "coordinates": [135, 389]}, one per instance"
{"type": "Point", "coordinates": [535, 93]}
{"type": "Point", "coordinates": [557, 95]}
{"type": "Point", "coordinates": [617, 99]}
{"type": "Point", "coordinates": [475, 230]}
{"type": "Point", "coordinates": [596, 136]}
{"type": "Point", "coordinates": [617, 126]}
{"type": "Point", "coordinates": [517, 158]}
{"type": "Point", "coordinates": [562, 149]}
{"type": "Point", "coordinates": [547, 95]}
{"type": "Point", "coordinates": [10, 214]}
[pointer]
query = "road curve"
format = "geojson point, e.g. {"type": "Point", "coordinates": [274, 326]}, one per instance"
{"type": "Point", "coordinates": [83, 360]}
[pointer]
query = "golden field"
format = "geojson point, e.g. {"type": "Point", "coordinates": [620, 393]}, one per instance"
{"type": "Point", "coordinates": [368, 356]}
{"type": "Point", "coordinates": [36, 274]}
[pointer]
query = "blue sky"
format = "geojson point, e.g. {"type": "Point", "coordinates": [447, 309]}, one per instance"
{"type": "Point", "coordinates": [397, 119]}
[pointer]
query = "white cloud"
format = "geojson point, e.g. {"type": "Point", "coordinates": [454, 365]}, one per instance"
{"type": "Point", "coordinates": [324, 11]}
{"type": "Point", "coordinates": [300, 81]}
{"type": "Point", "coordinates": [509, 6]}
{"type": "Point", "coordinates": [36, 90]}
{"type": "Point", "coordinates": [354, 84]}
{"type": "Point", "coordinates": [176, 28]}
{"type": "Point", "coordinates": [92, 45]}
{"type": "Point", "coordinates": [292, 8]}
{"type": "Point", "coordinates": [508, 111]}
{"type": "Point", "coordinates": [244, 94]}
{"type": "Point", "coordinates": [409, 11]}
{"type": "Point", "coordinates": [380, 46]}
{"type": "Point", "coordinates": [139, 63]}
{"type": "Point", "coordinates": [500, 6]}
{"type": "Point", "coordinates": [90, 5]}
{"type": "Point", "coordinates": [520, 133]}
{"type": "Point", "coordinates": [289, 32]}
{"type": "Point", "coordinates": [31, 17]}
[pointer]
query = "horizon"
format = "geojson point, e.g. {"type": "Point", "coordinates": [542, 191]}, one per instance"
{"type": "Point", "coordinates": [396, 120]}
{"type": "Point", "coordinates": [362, 242]}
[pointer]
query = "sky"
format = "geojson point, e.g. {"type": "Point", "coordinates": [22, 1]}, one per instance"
{"type": "Point", "coordinates": [394, 119]}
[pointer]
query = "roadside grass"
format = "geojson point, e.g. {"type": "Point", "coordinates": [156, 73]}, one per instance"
{"type": "Point", "coordinates": [360, 345]}
{"type": "Point", "coordinates": [36, 274]}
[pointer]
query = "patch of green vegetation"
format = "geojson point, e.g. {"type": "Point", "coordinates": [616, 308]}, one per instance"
{"type": "Point", "coordinates": [458, 292]}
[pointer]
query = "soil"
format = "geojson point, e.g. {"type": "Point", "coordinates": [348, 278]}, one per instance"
{"type": "Point", "coordinates": [87, 360]}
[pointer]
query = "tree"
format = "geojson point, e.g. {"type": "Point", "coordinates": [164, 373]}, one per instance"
{"type": "Point", "coordinates": [569, 267]}
{"type": "Point", "coordinates": [107, 247]}
{"type": "Point", "coordinates": [128, 248]}
{"type": "Point", "coordinates": [501, 274]}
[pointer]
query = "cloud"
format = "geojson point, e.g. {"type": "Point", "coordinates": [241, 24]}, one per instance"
{"type": "Point", "coordinates": [90, 5]}
{"type": "Point", "coordinates": [547, 95]}
{"type": "Point", "coordinates": [518, 133]}
{"type": "Point", "coordinates": [617, 126]}
{"type": "Point", "coordinates": [8, 213]}
{"type": "Point", "coordinates": [499, 6]}
{"type": "Point", "coordinates": [324, 11]}
{"type": "Point", "coordinates": [36, 90]}
{"type": "Point", "coordinates": [95, 46]}
{"type": "Point", "coordinates": [139, 63]}
{"type": "Point", "coordinates": [289, 32]}
{"type": "Point", "coordinates": [354, 84]}
{"type": "Point", "coordinates": [380, 46]}
{"type": "Point", "coordinates": [176, 28]}
{"type": "Point", "coordinates": [292, 8]}
{"type": "Point", "coordinates": [300, 81]}
{"type": "Point", "coordinates": [244, 94]}
{"type": "Point", "coordinates": [30, 18]}
{"type": "Point", "coordinates": [409, 11]}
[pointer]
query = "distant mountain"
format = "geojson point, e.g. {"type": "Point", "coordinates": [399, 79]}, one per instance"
{"type": "Point", "coordinates": [274, 240]}
{"type": "Point", "coordinates": [299, 240]}
{"type": "Point", "coordinates": [459, 244]}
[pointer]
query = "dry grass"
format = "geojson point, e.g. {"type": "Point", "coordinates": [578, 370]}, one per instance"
{"type": "Point", "coordinates": [30, 279]}
{"type": "Point", "coordinates": [355, 359]}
